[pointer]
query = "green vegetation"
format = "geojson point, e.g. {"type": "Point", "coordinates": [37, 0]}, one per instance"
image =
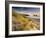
{"type": "Point", "coordinates": [23, 23]}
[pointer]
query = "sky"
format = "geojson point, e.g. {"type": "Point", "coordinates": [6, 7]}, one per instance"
{"type": "Point", "coordinates": [26, 9]}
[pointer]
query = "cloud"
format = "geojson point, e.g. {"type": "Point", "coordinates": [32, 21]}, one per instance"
{"type": "Point", "coordinates": [26, 9]}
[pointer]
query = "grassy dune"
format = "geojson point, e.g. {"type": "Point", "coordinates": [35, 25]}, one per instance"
{"type": "Point", "coordinates": [20, 23]}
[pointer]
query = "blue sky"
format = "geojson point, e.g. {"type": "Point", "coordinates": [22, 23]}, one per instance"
{"type": "Point", "coordinates": [26, 9]}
